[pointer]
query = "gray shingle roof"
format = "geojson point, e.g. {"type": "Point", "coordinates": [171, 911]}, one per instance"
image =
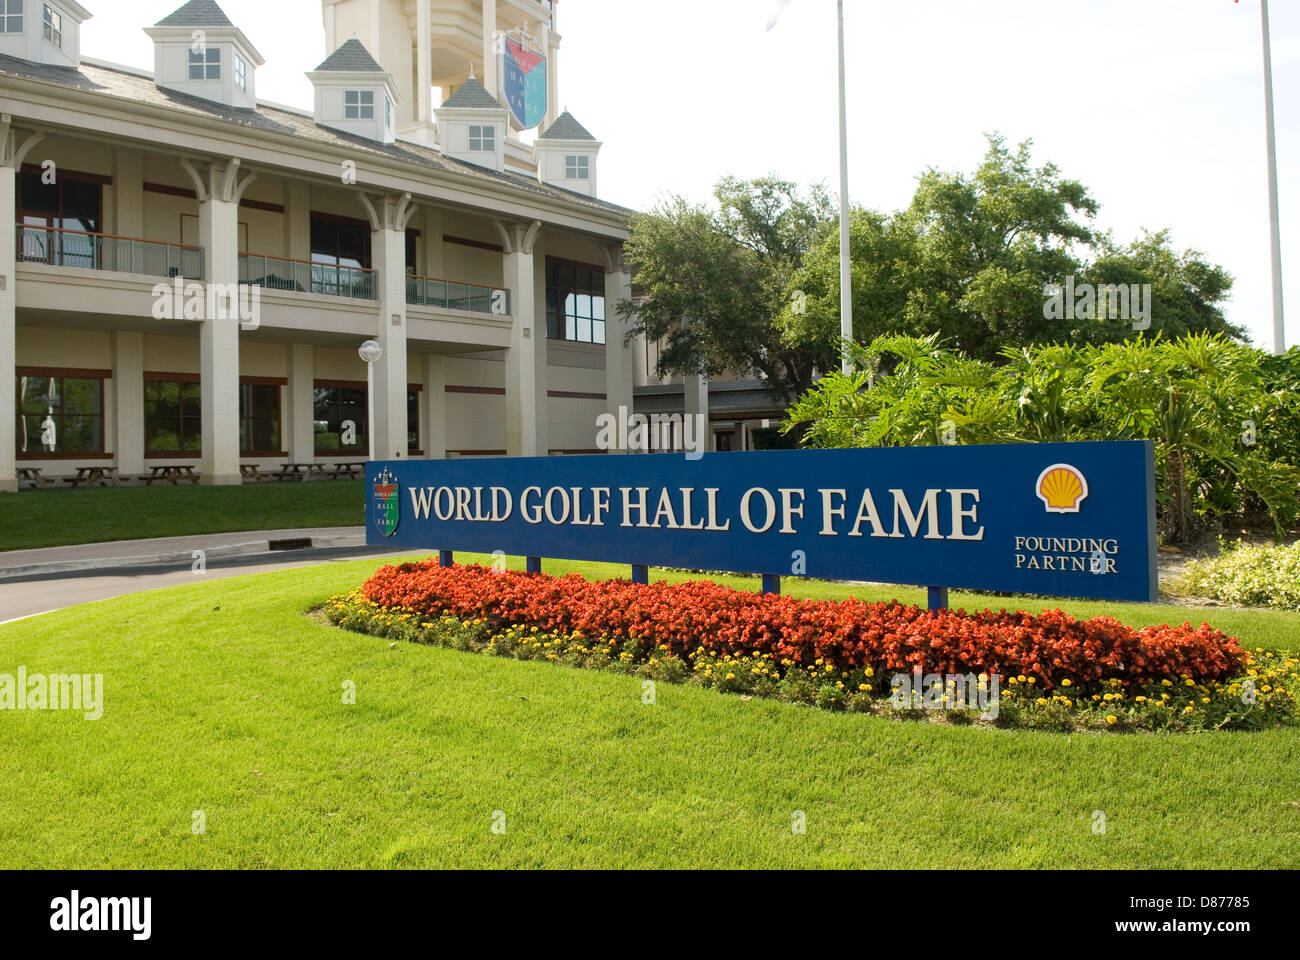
{"type": "Point", "coordinates": [197, 13]}
{"type": "Point", "coordinates": [473, 95]}
{"type": "Point", "coordinates": [352, 56]}
{"type": "Point", "coordinates": [123, 85]}
{"type": "Point", "coordinates": [566, 128]}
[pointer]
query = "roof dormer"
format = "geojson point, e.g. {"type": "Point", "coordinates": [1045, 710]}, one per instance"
{"type": "Point", "coordinates": [198, 51]}
{"type": "Point", "coordinates": [355, 94]}
{"type": "Point", "coordinates": [472, 126]}
{"type": "Point", "coordinates": [566, 156]}
{"type": "Point", "coordinates": [42, 31]}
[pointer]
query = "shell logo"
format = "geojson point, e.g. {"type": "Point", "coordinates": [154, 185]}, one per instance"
{"type": "Point", "coordinates": [1062, 488]}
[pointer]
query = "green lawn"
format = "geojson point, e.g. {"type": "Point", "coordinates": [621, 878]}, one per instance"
{"type": "Point", "coordinates": [54, 518]}
{"type": "Point", "coordinates": [225, 697]}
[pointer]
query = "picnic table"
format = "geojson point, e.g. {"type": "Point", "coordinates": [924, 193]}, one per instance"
{"type": "Point", "coordinates": [250, 471]}
{"type": "Point", "coordinates": [34, 477]}
{"type": "Point", "coordinates": [171, 474]}
{"type": "Point", "coordinates": [352, 469]}
{"type": "Point", "coordinates": [92, 476]}
{"type": "Point", "coordinates": [301, 472]}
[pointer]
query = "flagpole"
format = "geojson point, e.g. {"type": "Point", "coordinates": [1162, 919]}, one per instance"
{"type": "Point", "coordinates": [1275, 227]}
{"type": "Point", "coordinates": [846, 267]}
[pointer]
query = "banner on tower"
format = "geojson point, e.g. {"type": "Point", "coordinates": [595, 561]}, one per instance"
{"type": "Point", "coordinates": [524, 72]}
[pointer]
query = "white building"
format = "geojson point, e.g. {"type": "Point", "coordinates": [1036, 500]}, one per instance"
{"type": "Point", "coordinates": [482, 265]}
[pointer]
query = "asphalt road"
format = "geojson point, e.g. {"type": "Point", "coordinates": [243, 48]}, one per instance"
{"type": "Point", "coordinates": [27, 596]}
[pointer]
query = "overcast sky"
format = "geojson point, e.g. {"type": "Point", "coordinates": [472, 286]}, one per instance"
{"type": "Point", "coordinates": [1155, 105]}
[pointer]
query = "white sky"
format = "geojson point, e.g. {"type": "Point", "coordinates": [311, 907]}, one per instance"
{"type": "Point", "coordinates": [1155, 105]}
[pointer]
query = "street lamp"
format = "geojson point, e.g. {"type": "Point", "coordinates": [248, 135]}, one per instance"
{"type": "Point", "coordinates": [370, 352]}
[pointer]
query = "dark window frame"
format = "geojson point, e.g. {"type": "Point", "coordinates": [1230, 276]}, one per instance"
{"type": "Point", "coordinates": [63, 373]}
{"type": "Point", "coordinates": [559, 289]}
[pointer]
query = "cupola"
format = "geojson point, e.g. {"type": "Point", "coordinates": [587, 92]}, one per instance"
{"type": "Point", "coordinates": [355, 94]}
{"type": "Point", "coordinates": [566, 156]}
{"type": "Point", "coordinates": [198, 51]}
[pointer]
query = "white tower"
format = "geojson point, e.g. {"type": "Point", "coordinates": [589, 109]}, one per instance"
{"type": "Point", "coordinates": [432, 47]}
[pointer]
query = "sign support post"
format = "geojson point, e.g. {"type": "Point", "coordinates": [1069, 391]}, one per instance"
{"type": "Point", "coordinates": [937, 598]}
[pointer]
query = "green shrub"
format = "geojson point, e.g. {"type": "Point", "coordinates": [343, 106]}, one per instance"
{"type": "Point", "coordinates": [1249, 575]}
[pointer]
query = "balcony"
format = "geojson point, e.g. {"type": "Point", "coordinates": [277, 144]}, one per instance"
{"type": "Point", "coordinates": [102, 251]}
{"type": "Point", "coordinates": [450, 295]}
{"type": "Point", "coordinates": [304, 276]}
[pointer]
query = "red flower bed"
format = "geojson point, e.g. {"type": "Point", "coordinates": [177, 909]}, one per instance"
{"type": "Point", "coordinates": [847, 634]}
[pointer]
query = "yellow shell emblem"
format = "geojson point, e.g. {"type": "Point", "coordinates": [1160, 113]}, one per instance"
{"type": "Point", "coordinates": [1062, 488]}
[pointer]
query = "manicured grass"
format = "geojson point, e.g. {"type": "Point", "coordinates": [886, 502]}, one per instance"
{"type": "Point", "coordinates": [53, 518]}
{"type": "Point", "coordinates": [225, 697]}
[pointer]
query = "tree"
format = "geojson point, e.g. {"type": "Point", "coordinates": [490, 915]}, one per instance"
{"type": "Point", "coordinates": [714, 280]}
{"type": "Point", "coordinates": [971, 259]}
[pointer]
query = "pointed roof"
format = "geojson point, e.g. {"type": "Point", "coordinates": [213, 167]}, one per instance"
{"type": "Point", "coordinates": [566, 128]}
{"type": "Point", "coordinates": [474, 96]}
{"type": "Point", "coordinates": [197, 13]}
{"type": "Point", "coordinates": [352, 57]}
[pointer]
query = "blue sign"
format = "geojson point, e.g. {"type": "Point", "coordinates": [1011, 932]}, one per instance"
{"type": "Point", "coordinates": [1064, 519]}
{"type": "Point", "coordinates": [525, 84]}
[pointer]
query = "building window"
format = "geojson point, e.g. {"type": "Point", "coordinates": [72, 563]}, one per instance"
{"type": "Point", "coordinates": [575, 301]}
{"type": "Point", "coordinates": [241, 73]}
{"type": "Point", "coordinates": [205, 64]}
{"type": "Point", "coordinates": [173, 414]}
{"type": "Point", "coordinates": [59, 414]}
{"type": "Point", "coordinates": [340, 254]}
{"type": "Point", "coordinates": [11, 16]}
{"type": "Point", "coordinates": [482, 139]}
{"type": "Point", "coordinates": [340, 419]}
{"type": "Point", "coordinates": [259, 419]}
{"type": "Point", "coordinates": [413, 421]}
{"type": "Point", "coordinates": [359, 104]}
{"type": "Point", "coordinates": [388, 112]}
{"type": "Point", "coordinates": [54, 27]}
{"type": "Point", "coordinates": [70, 204]}
{"type": "Point", "coordinates": [577, 168]}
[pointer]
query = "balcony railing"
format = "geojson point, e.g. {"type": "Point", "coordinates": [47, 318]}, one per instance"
{"type": "Point", "coordinates": [304, 276]}
{"type": "Point", "coordinates": [450, 295]}
{"type": "Point", "coordinates": [102, 251]}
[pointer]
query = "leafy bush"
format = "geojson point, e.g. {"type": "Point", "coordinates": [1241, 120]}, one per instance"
{"type": "Point", "coordinates": [1255, 691]}
{"type": "Point", "coordinates": [841, 636]}
{"type": "Point", "coordinates": [1224, 417]}
{"type": "Point", "coordinates": [1249, 575]}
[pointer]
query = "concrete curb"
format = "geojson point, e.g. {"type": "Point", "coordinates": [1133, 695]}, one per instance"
{"type": "Point", "coordinates": [225, 551]}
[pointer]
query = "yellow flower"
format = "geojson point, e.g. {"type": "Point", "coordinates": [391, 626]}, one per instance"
{"type": "Point", "coordinates": [1112, 718]}
{"type": "Point", "coordinates": [1205, 699]}
{"type": "Point", "coordinates": [731, 676]}
{"type": "Point", "coordinates": [1065, 682]}
{"type": "Point", "coordinates": [863, 686]}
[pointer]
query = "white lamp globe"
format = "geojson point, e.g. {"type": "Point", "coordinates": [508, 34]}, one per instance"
{"type": "Point", "coordinates": [370, 351]}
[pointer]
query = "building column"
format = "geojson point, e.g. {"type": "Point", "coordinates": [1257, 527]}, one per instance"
{"type": "Point", "coordinates": [489, 54]}
{"type": "Point", "coordinates": [128, 192]}
{"type": "Point", "coordinates": [526, 377]}
{"type": "Point", "coordinates": [696, 398]}
{"type": "Point", "coordinates": [297, 220]}
{"type": "Point", "coordinates": [300, 403]}
{"type": "Point", "coordinates": [424, 70]}
{"type": "Point", "coordinates": [619, 358]}
{"type": "Point", "coordinates": [128, 402]}
{"type": "Point", "coordinates": [433, 407]}
{"type": "Point", "coordinates": [389, 216]}
{"type": "Point", "coordinates": [219, 188]}
{"type": "Point", "coordinates": [552, 78]}
{"type": "Point", "coordinates": [14, 148]}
